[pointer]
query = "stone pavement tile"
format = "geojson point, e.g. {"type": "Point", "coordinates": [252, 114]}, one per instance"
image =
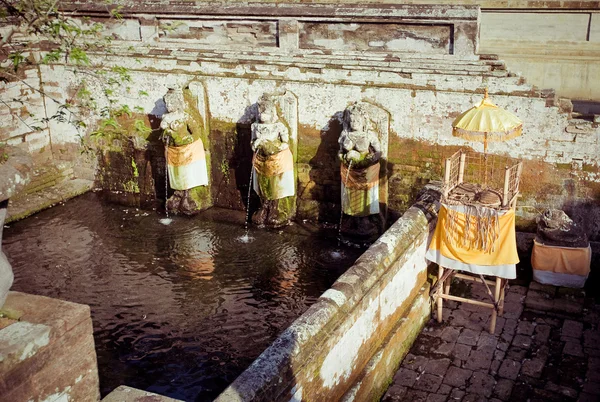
{"type": "Point", "coordinates": [569, 339]}
{"type": "Point", "coordinates": [487, 339]}
{"type": "Point", "coordinates": [514, 297]}
{"type": "Point", "coordinates": [516, 354]}
{"type": "Point", "coordinates": [499, 354]}
{"type": "Point", "coordinates": [593, 369]}
{"type": "Point", "coordinates": [591, 352]}
{"type": "Point", "coordinates": [585, 397]}
{"type": "Point", "coordinates": [591, 339]}
{"type": "Point", "coordinates": [433, 328]}
{"type": "Point", "coordinates": [540, 394]}
{"type": "Point", "coordinates": [547, 320]}
{"type": "Point", "coordinates": [512, 310]}
{"type": "Point", "coordinates": [509, 369]}
{"type": "Point", "coordinates": [503, 389]}
{"type": "Point", "coordinates": [539, 301]}
{"type": "Point", "coordinates": [474, 398]}
{"type": "Point", "coordinates": [541, 334]}
{"type": "Point", "coordinates": [457, 377]}
{"type": "Point", "coordinates": [445, 348]}
{"type": "Point", "coordinates": [495, 366]}
{"type": "Point", "coordinates": [510, 326]}
{"type": "Point", "coordinates": [444, 389]}
{"type": "Point", "coordinates": [414, 395]}
{"type": "Point", "coordinates": [550, 290]}
{"type": "Point", "coordinates": [414, 362]}
{"type": "Point", "coordinates": [566, 391]}
{"type": "Point", "coordinates": [394, 393]}
{"type": "Point", "coordinates": [522, 341]}
{"type": "Point", "coordinates": [480, 359]}
{"type": "Point", "coordinates": [526, 327]}
{"type": "Point", "coordinates": [503, 345]}
{"type": "Point", "coordinates": [500, 321]}
{"type": "Point", "coordinates": [424, 345]}
{"type": "Point", "coordinates": [573, 349]}
{"type": "Point", "coordinates": [456, 395]}
{"type": "Point", "coordinates": [481, 383]}
{"type": "Point", "coordinates": [533, 368]}
{"type": "Point", "coordinates": [436, 398]}
{"type": "Point", "coordinates": [405, 377]}
{"type": "Point", "coordinates": [461, 351]}
{"type": "Point", "coordinates": [428, 382]}
{"type": "Point", "coordinates": [459, 318]}
{"type": "Point", "coordinates": [468, 337]}
{"type": "Point", "coordinates": [572, 328]}
{"type": "Point", "coordinates": [592, 388]}
{"type": "Point", "coordinates": [520, 392]}
{"type": "Point", "coordinates": [450, 334]}
{"type": "Point", "coordinates": [516, 289]}
{"type": "Point", "coordinates": [437, 366]}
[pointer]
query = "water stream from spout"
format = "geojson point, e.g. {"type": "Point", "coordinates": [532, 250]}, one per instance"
{"type": "Point", "coordinates": [342, 205]}
{"type": "Point", "coordinates": [167, 220]}
{"type": "Point", "coordinates": [246, 238]}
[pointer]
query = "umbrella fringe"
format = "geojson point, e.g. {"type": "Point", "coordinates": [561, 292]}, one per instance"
{"type": "Point", "coordinates": [491, 136]}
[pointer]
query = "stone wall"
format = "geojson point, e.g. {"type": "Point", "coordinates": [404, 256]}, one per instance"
{"type": "Point", "coordinates": [350, 342]}
{"type": "Point", "coordinates": [423, 91]}
{"type": "Point", "coordinates": [48, 354]}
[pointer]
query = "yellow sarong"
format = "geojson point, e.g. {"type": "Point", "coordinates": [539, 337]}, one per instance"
{"type": "Point", "coordinates": [187, 166]}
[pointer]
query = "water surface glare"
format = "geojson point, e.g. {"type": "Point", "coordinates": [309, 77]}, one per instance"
{"type": "Point", "coordinates": [182, 309]}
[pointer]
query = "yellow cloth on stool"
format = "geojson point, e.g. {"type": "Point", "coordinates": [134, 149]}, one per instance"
{"type": "Point", "coordinates": [447, 250]}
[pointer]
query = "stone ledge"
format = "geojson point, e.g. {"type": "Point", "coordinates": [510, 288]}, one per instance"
{"type": "Point", "coordinates": [22, 207]}
{"type": "Point", "coordinates": [128, 394]}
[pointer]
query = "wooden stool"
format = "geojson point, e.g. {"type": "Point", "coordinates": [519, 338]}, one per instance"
{"type": "Point", "coordinates": [496, 299]}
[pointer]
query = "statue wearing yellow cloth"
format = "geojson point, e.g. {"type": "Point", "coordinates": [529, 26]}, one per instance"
{"type": "Point", "coordinates": [360, 152]}
{"type": "Point", "coordinates": [273, 167]}
{"type": "Point", "coordinates": [185, 156]}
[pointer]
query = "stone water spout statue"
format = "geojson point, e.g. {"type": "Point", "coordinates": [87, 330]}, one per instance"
{"type": "Point", "coordinates": [14, 175]}
{"type": "Point", "coordinates": [360, 152]}
{"type": "Point", "coordinates": [183, 133]}
{"type": "Point", "coordinates": [273, 166]}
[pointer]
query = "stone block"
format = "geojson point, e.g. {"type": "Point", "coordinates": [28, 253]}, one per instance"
{"type": "Point", "coordinates": [58, 357]}
{"type": "Point", "coordinates": [437, 366]}
{"type": "Point", "coordinates": [533, 368]}
{"type": "Point", "coordinates": [480, 359]}
{"type": "Point", "coordinates": [573, 349]}
{"type": "Point", "coordinates": [428, 382]}
{"type": "Point", "coordinates": [468, 337]}
{"type": "Point", "coordinates": [457, 377]}
{"type": "Point", "coordinates": [481, 383]}
{"type": "Point", "coordinates": [509, 369]}
{"type": "Point", "coordinates": [572, 329]}
{"type": "Point", "coordinates": [503, 389]}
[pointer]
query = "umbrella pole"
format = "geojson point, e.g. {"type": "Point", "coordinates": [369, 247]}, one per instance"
{"type": "Point", "coordinates": [485, 156]}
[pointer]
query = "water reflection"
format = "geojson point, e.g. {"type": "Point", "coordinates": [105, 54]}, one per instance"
{"type": "Point", "coordinates": [180, 309]}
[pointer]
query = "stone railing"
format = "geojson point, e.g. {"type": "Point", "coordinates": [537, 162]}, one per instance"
{"type": "Point", "coordinates": [348, 345]}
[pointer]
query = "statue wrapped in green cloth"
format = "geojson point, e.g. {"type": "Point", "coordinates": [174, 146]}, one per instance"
{"type": "Point", "coordinates": [185, 155]}
{"type": "Point", "coordinates": [359, 153]}
{"type": "Point", "coordinates": [273, 166]}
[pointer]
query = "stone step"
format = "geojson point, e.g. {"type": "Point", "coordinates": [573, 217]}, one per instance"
{"type": "Point", "coordinates": [27, 204]}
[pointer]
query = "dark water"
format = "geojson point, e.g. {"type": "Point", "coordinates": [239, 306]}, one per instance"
{"type": "Point", "coordinates": [180, 310]}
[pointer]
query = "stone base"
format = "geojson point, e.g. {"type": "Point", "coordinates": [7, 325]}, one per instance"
{"type": "Point", "coordinates": [48, 354]}
{"type": "Point", "coordinates": [128, 394]}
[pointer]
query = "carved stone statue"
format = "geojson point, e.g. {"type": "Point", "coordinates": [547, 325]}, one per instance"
{"type": "Point", "coordinates": [273, 166]}
{"type": "Point", "coordinates": [6, 274]}
{"type": "Point", "coordinates": [186, 158]}
{"type": "Point", "coordinates": [360, 152]}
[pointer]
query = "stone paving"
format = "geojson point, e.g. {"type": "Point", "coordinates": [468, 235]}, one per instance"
{"type": "Point", "coordinates": [546, 347]}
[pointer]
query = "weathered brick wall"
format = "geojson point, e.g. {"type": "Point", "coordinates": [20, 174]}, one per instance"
{"type": "Point", "coordinates": [334, 349]}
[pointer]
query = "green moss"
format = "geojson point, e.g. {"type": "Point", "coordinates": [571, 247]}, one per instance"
{"type": "Point", "coordinates": [135, 169]}
{"type": "Point", "coordinates": [131, 187]}
{"type": "Point", "coordinates": [201, 197]}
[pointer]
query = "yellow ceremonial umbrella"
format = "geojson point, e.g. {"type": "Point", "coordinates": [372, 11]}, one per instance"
{"type": "Point", "coordinates": [487, 122]}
